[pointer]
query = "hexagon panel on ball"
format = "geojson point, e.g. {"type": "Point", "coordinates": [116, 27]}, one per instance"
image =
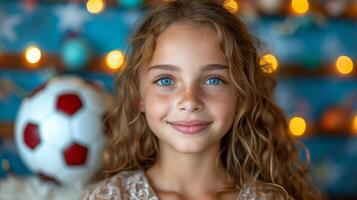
{"type": "Point", "coordinates": [59, 129]}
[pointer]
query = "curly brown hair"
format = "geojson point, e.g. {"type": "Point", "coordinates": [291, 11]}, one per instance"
{"type": "Point", "coordinates": [258, 147]}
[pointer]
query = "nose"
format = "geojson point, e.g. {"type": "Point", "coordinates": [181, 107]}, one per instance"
{"type": "Point", "coordinates": [189, 101]}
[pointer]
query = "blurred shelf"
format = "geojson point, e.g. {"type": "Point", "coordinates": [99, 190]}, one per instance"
{"type": "Point", "coordinates": [17, 61]}
{"type": "Point", "coordinates": [97, 64]}
{"type": "Point", "coordinates": [349, 12]}
{"type": "Point", "coordinates": [6, 130]}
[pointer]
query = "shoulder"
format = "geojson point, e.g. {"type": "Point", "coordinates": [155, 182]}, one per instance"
{"type": "Point", "coordinates": [124, 185]}
{"type": "Point", "coordinates": [263, 192]}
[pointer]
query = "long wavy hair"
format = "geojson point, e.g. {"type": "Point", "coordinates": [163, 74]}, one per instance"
{"type": "Point", "coordinates": [257, 148]}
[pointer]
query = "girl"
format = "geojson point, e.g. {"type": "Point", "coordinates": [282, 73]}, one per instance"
{"type": "Point", "coordinates": [195, 117]}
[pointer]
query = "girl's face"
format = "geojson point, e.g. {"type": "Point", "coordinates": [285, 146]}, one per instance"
{"type": "Point", "coordinates": [186, 93]}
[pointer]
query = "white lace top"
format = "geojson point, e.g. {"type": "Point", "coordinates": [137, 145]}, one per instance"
{"type": "Point", "coordinates": [134, 185]}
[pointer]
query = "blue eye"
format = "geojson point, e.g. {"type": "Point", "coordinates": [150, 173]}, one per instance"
{"type": "Point", "coordinates": [165, 81]}
{"type": "Point", "coordinates": [214, 81]}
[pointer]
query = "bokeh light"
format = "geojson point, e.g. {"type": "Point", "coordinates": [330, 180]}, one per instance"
{"type": "Point", "coordinates": [300, 6]}
{"type": "Point", "coordinates": [95, 6]}
{"type": "Point", "coordinates": [268, 63]}
{"type": "Point", "coordinates": [354, 125]}
{"type": "Point", "coordinates": [344, 64]}
{"type": "Point", "coordinates": [114, 59]}
{"type": "Point", "coordinates": [32, 54]}
{"type": "Point", "coordinates": [231, 5]}
{"type": "Point", "coordinates": [297, 126]}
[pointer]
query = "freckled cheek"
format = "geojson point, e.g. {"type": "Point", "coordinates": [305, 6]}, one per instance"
{"type": "Point", "coordinates": [158, 103]}
{"type": "Point", "coordinates": [222, 104]}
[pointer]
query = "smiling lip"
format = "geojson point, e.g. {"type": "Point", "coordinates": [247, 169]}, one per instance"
{"type": "Point", "coordinates": [190, 127]}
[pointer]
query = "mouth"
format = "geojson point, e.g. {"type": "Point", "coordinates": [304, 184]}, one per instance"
{"type": "Point", "coordinates": [190, 127]}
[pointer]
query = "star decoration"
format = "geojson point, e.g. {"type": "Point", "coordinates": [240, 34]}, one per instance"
{"type": "Point", "coordinates": [7, 27]}
{"type": "Point", "coordinates": [71, 17]}
{"type": "Point", "coordinates": [131, 17]}
{"type": "Point", "coordinates": [331, 46]}
{"type": "Point", "coordinates": [328, 173]}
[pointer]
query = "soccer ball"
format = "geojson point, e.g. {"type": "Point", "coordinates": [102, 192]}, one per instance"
{"type": "Point", "coordinates": [60, 132]}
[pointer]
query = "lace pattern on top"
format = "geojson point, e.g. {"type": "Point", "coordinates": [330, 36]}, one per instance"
{"type": "Point", "coordinates": [126, 185]}
{"type": "Point", "coordinates": [133, 185]}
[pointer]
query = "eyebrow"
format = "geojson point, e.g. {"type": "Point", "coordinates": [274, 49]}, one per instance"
{"type": "Point", "coordinates": [174, 68]}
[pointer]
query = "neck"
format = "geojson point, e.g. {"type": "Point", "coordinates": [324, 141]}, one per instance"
{"type": "Point", "coordinates": [188, 174]}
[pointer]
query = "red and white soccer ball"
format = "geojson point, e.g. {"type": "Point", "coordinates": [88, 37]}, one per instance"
{"type": "Point", "coordinates": [60, 133]}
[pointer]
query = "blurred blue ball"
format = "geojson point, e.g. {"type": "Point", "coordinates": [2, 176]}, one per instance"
{"type": "Point", "coordinates": [130, 3]}
{"type": "Point", "coordinates": [76, 54]}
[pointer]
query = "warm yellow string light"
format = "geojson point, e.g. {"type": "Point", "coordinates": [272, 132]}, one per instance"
{"type": "Point", "coordinates": [344, 64]}
{"type": "Point", "coordinates": [269, 63]}
{"type": "Point", "coordinates": [354, 125]}
{"type": "Point", "coordinates": [300, 6]}
{"type": "Point", "coordinates": [33, 54]}
{"type": "Point", "coordinates": [297, 126]}
{"type": "Point", "coordinates": [95, 6]}
{"type": "Point", "coordinates": [231, 5]}
{"type": "Point", "coordinates": [114, 59]}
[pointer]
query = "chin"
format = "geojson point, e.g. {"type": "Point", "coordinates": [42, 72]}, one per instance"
{"type": "Point", "coordinates": [191, 147]}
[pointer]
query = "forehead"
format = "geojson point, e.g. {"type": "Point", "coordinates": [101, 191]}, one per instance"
{"type": "Point", "coordinates": [187, 30]}
{"type": "Point", "coordinates": [187, 43]}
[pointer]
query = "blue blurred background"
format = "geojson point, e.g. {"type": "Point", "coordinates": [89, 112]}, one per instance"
{"type": "Point", "coordinates": [312, 44]}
